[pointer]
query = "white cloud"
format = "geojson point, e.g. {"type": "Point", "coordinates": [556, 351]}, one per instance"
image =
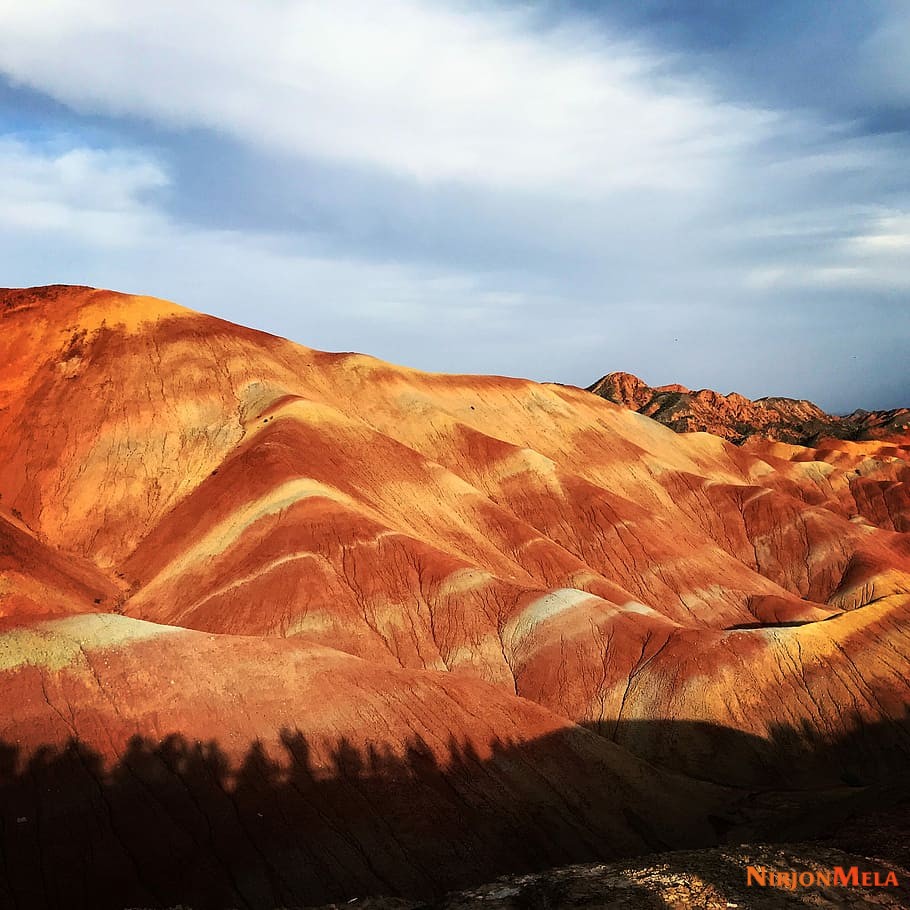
{"type": "Point", "coordinates": [95, 193]}
{"type": "Point", "coordinates": [432, 91]}
{"type": "Point", "coordinates": [73, 214]}
{"type": "Point", "coordinates": [460, 188]}
{"type": "Point", "coordinates": [888, 235]}
{"type": "Point", "coordinates": [872, 256]}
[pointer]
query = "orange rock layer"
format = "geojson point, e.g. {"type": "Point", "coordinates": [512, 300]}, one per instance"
{"type": "Point", "coordinates": [325, 626]}
{"type": "Point", "coordinates": [737, 418]}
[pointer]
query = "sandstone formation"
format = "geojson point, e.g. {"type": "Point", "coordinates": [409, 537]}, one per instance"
{"type": "Point", "coordinates": [281, 627]}
{"type": "Point", "coordinates": [737, 418]}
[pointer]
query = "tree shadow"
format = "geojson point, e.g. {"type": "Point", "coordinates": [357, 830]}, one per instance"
{"type": "Point", "coordinates": [177, 821]}
{"type": "Point", "coordinates": [801, 757]}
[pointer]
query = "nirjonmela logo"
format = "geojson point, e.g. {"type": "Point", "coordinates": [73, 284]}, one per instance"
{"type": "Point", "coordinates": [838, 876]}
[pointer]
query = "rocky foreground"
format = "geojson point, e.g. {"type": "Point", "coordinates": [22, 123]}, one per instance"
{"type": "Point", "coordinates": [713, 879]}
{"type": "Point", "coordinates": [687, 880]}
{"type": "Point", "coordinates": [754, 877]}
{"type": "Point", "coordinates": [280, 627]}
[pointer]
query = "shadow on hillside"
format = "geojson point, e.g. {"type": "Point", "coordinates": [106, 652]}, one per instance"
{"type": "Point", "coordinates": [174, 821]}
{"type": "Point", "coordinates": [789, 757]}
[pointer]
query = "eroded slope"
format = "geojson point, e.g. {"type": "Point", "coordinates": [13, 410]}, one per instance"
{"type": "Point", "coordinates": [371, 555]}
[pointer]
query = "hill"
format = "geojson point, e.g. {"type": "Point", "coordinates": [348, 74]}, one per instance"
{"type": "Point", "coordinates": [281, 626]}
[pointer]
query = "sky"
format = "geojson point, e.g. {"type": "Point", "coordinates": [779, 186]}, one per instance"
{"type": "Point", "coordinates": [710, 193]}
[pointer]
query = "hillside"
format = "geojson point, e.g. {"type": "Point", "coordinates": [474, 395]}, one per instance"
{"type": "Point", "coordinates": [281, 626]}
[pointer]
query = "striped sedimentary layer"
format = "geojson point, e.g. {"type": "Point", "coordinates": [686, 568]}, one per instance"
{"type": "Point", "coordinates": [403, 596]}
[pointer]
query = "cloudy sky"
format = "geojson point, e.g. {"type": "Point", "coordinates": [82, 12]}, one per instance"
{"type": "Point", "coordinates": [705, 192]}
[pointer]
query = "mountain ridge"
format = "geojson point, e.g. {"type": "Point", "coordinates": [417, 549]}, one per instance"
{"type": "Point", "coordinates": [737, 418]}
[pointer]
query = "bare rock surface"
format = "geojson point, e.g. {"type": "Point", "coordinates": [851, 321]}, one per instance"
{"type": "Point", "coordinates": [738, 418]}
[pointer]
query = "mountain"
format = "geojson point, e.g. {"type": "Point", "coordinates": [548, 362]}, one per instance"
{"type": "Point", "coordinates": [281, 626]}
{"type": "Point", "coordinates": [737, 418]}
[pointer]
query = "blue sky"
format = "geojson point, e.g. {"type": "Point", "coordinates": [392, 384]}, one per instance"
{"type": "Point", "coordinates": [710, 193]}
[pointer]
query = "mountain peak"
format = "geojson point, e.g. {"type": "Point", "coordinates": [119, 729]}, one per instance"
{"type": "Point", "coordinates": [736, 418]}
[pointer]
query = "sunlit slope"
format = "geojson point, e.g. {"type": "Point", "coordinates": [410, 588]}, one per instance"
{"type": "Point", "coordinates": [532, 536]}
